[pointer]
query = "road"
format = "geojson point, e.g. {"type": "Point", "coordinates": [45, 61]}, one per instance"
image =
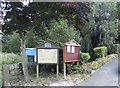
{"type": "Point", "coordinates": [105, 76]}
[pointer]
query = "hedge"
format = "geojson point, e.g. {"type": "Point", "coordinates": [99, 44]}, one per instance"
{"type": "Point", "coordinates": [84, 57]}
{"type": "Point", "coordinates": [100, 51]}
{"type": "Point", "coordinates": [115, 48]}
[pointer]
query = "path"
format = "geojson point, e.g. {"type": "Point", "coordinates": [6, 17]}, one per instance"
{"type": "Point", "coordinates": [105, 76]}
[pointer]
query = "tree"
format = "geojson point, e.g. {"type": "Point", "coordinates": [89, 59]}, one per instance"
{"type": "Point", "coordinates": [12, 44]}
{"type": "Point", "coordinates": [103, 26]}
{"type": "Point", "coordinates": [61, 31]}
{"type": "Point", "coordinates": [17, 19]}
{"type": "Point", "coordinates": [118, 12]}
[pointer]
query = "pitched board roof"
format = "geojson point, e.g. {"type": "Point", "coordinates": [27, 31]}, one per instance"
{"type": "Point", "coordinates": [73, 43]}
{"type": "Point", "coordinates": [48, 45]}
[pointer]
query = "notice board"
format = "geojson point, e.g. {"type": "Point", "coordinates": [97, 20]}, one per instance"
{"type": "Point", "coordinates": [47, 56]}
{"type": "Point", "coordinates": [72, 51]}
{"type": "Point", "coordinates": [47, 53]}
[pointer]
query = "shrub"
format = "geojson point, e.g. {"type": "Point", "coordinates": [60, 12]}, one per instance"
{"type": "Point", "coordinates": [115, 48]}
{"type": "Point", "coordinates": [100, 52]}
{"type": "Point", "coordinates": [84, 57]}
{"type": "Point", "coordinates": [79, 68]}
{"type": "Point", "coordinates": [94, 65]}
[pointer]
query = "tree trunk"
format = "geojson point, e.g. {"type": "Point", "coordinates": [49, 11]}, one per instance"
{"type": "Point", "coordinates": [24, 60]}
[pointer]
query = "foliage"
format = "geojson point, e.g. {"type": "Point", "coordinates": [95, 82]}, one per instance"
{"type": "Point", "coordinates": [12, 44]}
{"type": "Point", "coordinates": [104, 24]}
{"type": "Point", "coordinates": [61, 31]}
{"type": "Point", "coordinates": [38, 14]}
{"type": "Point", "coordinates": [78, 68]}
{"type": "Point", "coordinates": [10, 58]}
{"type": "Point", "coordinates": [84, 57]}
{"type": "Point", "coordinates": [56, 42]}
{"type": "Point", "coordinates": [33, 41]}
{"type": "Point", "coordinates": [115, 48]}
{"type": "Point", "coordinates": [118, 10]}
{"type": "Point", "coordinates": [100, 52]}
{"type": "Point", "coordinates": [95, 65]}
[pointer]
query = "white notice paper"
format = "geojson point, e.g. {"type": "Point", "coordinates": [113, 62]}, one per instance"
{"type": "Point", "coordinates": [47, 55]}
{"type": "Point", "coordinates": [68, 48]}
{"type": "Point", "coordinates": [73, 49]}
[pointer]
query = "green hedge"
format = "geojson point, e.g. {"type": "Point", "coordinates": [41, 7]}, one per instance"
{"type": "Point", "coordinates": [84, 57]}
{"type": "Point", "coordinates": [115, 48]}
{"type": "Point", "coordinates": [100, 51]}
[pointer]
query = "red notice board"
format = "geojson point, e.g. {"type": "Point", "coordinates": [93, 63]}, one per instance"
{"type": "Point", "coordinates": [72, 51]}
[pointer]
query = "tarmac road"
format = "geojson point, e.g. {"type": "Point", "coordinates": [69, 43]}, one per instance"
{"type": "Point", "coordinates": [105, 76]}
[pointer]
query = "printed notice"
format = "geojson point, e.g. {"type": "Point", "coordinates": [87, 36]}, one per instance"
{"type": "Point", "coordinates": [68, 49]}
{"type": "Point", "coordinates": [73, 49]}
{"type": "Point", "coordinates": [47, 56]}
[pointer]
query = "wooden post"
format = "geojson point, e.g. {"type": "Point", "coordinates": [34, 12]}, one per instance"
{"type": "Point", "coordinates": [77, 63]}
{"type": "Point", "coordinates": [64, 70]}
{"type": "Point", "coordinates": [37, 71]}
{"type": "Point", "coordinates": [57, 70]}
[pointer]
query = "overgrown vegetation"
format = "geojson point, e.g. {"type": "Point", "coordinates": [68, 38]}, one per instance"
{"type": "Point", "coordinates": [94, 65]}
{"type": "Point", "coordinates": [8, 58]}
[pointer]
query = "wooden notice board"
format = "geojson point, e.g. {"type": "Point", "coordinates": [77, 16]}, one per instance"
{"type": "Point", "coordinates": [72, 53]}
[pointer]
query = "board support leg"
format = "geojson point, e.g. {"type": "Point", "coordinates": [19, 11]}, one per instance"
{"type": "Point", "coordinates": [64, 70]}
{"type": "Point", "coordinates": [37, 71]}
{"type": "Point", "coordinates": [57, 70]}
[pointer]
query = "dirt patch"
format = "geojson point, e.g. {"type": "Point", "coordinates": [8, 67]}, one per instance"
{"type": "Point", "coordinates": [72, 80]}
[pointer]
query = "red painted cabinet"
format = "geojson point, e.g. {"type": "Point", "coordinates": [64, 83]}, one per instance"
{"type": "Point", "coordinates": [72, 51]}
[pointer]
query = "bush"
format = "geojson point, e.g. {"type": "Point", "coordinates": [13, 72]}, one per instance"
{"type": "Point", "coordinates": [115, 48]}
{"type": "Point", "coordinates": [84, 57]}
{"type": "Point", "coordinates": [95, 65]}
{"type": "Point", "coordinates": [79, 68]}
{"type": "Point", "coordinates": [100, 52]}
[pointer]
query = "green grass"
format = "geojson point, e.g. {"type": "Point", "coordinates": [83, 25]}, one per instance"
{"type": "Point", "coordinates": [8, 58]}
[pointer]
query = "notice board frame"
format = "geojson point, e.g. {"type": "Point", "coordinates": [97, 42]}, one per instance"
{"type": "Point", "coordinates": [70, 54]}
{"type": "Point", "coordinates": [47, 45]}
{"type": "Point", "coordinates": [45, 49]}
